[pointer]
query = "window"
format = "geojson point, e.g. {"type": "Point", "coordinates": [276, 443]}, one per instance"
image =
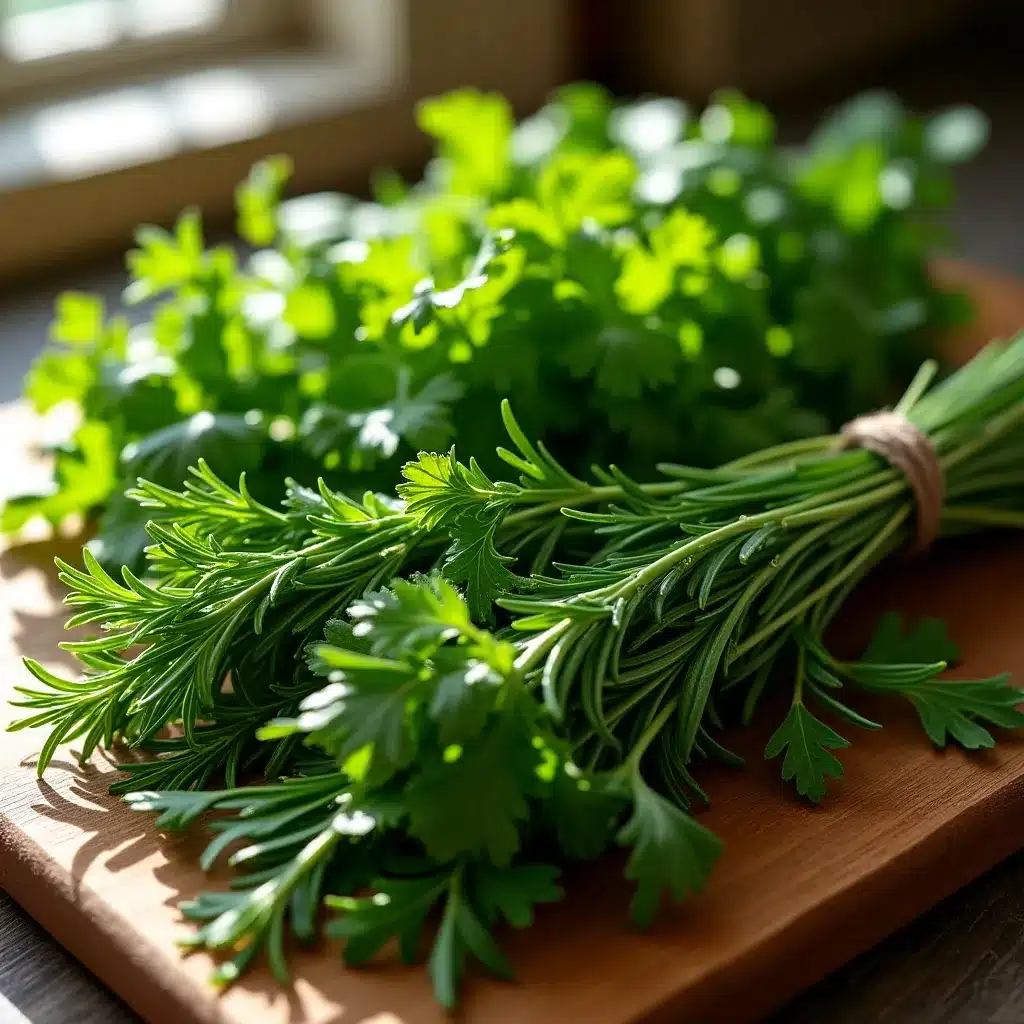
{"type": "Point", "coordinates": [120, 112]}
{"type": "Point", "coordinates": [51, 46]}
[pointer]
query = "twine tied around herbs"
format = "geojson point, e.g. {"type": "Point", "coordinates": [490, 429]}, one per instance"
{"type": "Point", "coordinates": [909, 450]}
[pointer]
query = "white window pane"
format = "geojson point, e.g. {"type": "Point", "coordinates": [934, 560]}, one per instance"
{"type": "Point", "coordinates": [104, 132]}
{"type": "Point", "coordinates": [166, 17]}
{"type": "Point", "coordinates": [54, 29]}
{"type": "Point", "coordinates": [215, 107]}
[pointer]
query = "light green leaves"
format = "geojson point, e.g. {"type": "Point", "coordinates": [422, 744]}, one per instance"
{"type": "Point", "coordinates": [310, 310]}
{"type": "Point", "coordinates": [575, 188]}
{"type": "Point", "coordinates": [414, 616]}
{"type": "Point", "coordinates": [671, 852]}
{"type": "Point", "coordinates": [166, 260]}
{"type": "Point", "coordinates": [85, 476]}
{"type": "Point", "coordinates": [438, 489]}
{"type": "Point", "coordinates": [649, 274]}
{"type": "Point", "coordinates": [368, 707]}
{"type": "Point", "coordinates": [78, 319]}
{"type": "Point", "coordinates": [807, 742]}
{"type": "Point", "coordinates": [473, 131]}
{"type": "Point", "coordinates": [257, 199]}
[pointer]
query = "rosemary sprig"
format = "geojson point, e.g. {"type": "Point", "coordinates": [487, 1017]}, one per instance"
{"type": "Point", "coordinates": [464, 741]}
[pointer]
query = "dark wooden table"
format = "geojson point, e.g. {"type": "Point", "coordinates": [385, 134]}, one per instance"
{"type": "Point", "coordinates": [962, 963]}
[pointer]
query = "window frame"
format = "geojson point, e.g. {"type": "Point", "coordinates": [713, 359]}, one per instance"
{"type": "Point", "coordinates": [247, 26]}
{"type": "Point", "coordinates": [363, 68]}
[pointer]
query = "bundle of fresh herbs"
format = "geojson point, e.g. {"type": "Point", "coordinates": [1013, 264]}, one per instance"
{"type": "Point", "coordinates": [468, 684]}
{"type": "Point", "coordinates": [647, 284]}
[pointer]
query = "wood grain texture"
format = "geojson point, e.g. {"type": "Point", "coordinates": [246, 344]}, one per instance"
{"type": "Point", "coordinates": [798, 891]}
{"type": "Point", "coordinates": [41, 984]}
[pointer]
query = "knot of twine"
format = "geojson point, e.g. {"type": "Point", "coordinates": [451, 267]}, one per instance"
{"type": "Point", "coordinates": [910, 450]}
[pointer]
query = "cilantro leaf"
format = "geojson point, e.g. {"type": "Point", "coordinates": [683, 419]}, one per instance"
{"type": "Point", "coordinates": [910, 665]}
{"type": "Point", "coordinates": [474, 131]}
{"type": "Point", "coordinates": [230, 444]}
{"type": "Point", "coordinates": [398, 909]}
{"type": "Point", "coordinates": [57, 377]}
{"type": "Point", "coordinates": [446, 811]}
{"type": "Point", "coordinates": [166, 260]}
{"type": "Point", "coordinates": [624, 360]}
{"type": "Point", "coordinates": [672, 852]}
{"type": "Point", "coordinates": [575, 188]}
{"type": "Point", "coordinates": [807, 741]}
{"type": "Point", "coordinates": [474, 560]}
{"type": "Point", "coordinates": [413, 616]}
{"type": "Point", "coordinates": [464, 695]}
{"type": "Point", "coordinates": [257, 199]}
{"type": "Point", "coordinates": [368, 707]}
{"type": "Point", "coordinates": [583, 814]}
{"type": "Point", "coordinates": [420, 420]}
{"type": "Point", "coordinates": [84, 478]}
{"type": "Point", "coordinates": [954, 709]}
{"type": "Point", "coordinates": [78, 319]}
{"type": "Point", "coordinates": [514, 892]}
{"type": "Point", "coordinates": [437, 488]}
{"type": "Point", "coordinates": [927, 643]}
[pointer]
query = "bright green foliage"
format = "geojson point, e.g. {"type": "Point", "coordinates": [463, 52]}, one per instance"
{"type": "Point", "coordinates": [449, 823]}
{"type": "Point", "coordinates": [433, 766]}
{"type": "Point", "coordinates": [647, 284]}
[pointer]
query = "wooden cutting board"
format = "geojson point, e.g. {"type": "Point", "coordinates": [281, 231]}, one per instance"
{"type": "Point", "coordinates": [798, 891]}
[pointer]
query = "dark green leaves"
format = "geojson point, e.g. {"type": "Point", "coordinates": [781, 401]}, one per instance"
{"type": "Point", "coordinates": [925, 644]}
{"type": "Point", "coordinates": [513, 893]}
{"type": "Point", "coordinates": [398, 909]}
{"type": "Point", "coordinates": [474, 560]}
{"type": "Point", "coordinates": [954, 709]}
{"type": "Point", "coordinates": [807, 742]}
{"type": "Point", "coordinates": [910, 665]}
{"type": "Point", "coordinates": [446, 811]}
{"type": "Point", "coordinates": [231, 445]}
{"type": "Point", "coordinates": [671, 852]}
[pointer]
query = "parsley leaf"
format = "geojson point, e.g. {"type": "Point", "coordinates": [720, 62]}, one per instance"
{"type": "Point", "coordinates": [398, 909]}
{"type": "Point", "coordinates": [367, 708]}
{"type": "Point", "coordinates": [514, 892]}
{"type": "Point", "coordinates": [926, 643]}
{"type": "Point", "coordinates": [910, 665]}
{"type": "Point", "coordinates": [671, 853]}
{"type": "Point", "coordinates": [445, 810]}
{"type": "Point", "coordinates": [807, 742]}
{"type": "Point", "coordinates": [474, 560]}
